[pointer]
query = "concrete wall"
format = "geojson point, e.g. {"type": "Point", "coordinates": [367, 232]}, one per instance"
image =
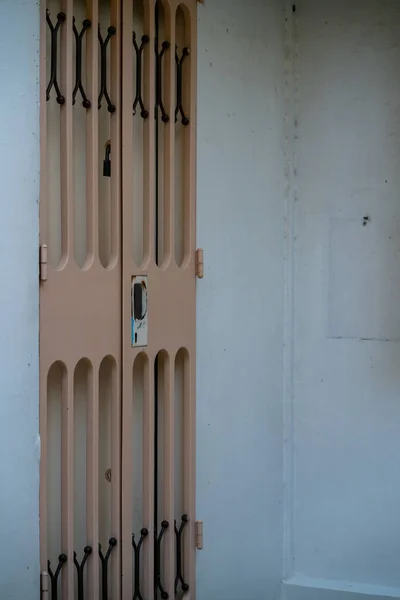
{"type": "Point", "coordinates": [19, 428]}
{"type": "Point", "coordinates": [240, 301]}
{"type": "Point", "coordinates": [343, 525]}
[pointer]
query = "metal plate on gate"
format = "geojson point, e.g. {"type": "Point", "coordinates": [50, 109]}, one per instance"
{"type": "Point", "coordinates": [139, 311]}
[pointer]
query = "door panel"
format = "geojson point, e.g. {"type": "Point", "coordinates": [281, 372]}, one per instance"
{"type": "Point", "coordinates": [170, 297]}
{"type": "Point", "coordinates": [80, 302]}
{"type": "Point", "coordinates": [117, 415]}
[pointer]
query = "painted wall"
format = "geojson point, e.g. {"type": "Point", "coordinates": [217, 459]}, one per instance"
{"type": "Point", "coordinates": [343, 410]}
{"type": "Point", "coordinates": [240, 301]}
{"type": "Point", "coordinates": [19, 429]}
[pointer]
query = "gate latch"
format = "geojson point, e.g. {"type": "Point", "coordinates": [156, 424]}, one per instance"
{"type": "Point", "coordinates": [139, 293]}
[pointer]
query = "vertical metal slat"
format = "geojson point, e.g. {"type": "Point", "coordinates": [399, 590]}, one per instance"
{"type": "Point", "coordinates": [92, 158]}
{"type": "Point", "coordinates": [67, 481]}
{"type": "Point", "coordinates": [168, 474]}
{"type": "Point", "coordinates": [148, 478]}
{"type": "Point", "coordinates": [66, 134]}
{"type": "Point", "coordinates": [127, 130]}
{"type": "Point", "coordinates": [92, 487]}
{"type": "Point", "coordinates": [116, 424]}
{"type": "Point", "coordinates": [149, 149]}
{"type": "Point", "coordinates": [127, 254]}
{"type": "Point", "coordinates": [189, 398]}
{"type": "Point", "coordinates": [127, 484]}
{"type": "Point", "coordinates": [189, 474]}
{"type": "Point", "coordinates": [116, 250]}
{"type": "Point", "coordinates": [67, 251]}
{"type": "Point", "coordinates": [169, 135]}
{"type": "Point", "coordinates": [115, 125]}
{"type": "Point", "coordinates": [189, 92]}
{"type": "Point", "coordinates": [43, 240]}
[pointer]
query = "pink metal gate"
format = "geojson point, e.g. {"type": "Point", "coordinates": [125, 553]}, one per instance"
{"type": "Point", "coordinates": [117, 303]}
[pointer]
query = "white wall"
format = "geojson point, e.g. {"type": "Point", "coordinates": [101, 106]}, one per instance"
{"type": "Point", "coordinates": [343, 536]}
{"type": "Point", "coordinates": [19, 429]}
{"type": "Point", "coordinates": [240, 301]}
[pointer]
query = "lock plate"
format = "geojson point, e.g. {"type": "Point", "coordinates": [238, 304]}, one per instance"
{"type": "Point", "coordinates": [139, 319]}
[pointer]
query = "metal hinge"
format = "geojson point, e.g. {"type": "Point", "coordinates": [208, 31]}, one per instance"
{"type": "Point", "coordinates": [44, 586]}
{"type": "Point", "coordinates": [199, 263]}
{"type": "Point", "coordinates": [199, 535]}
{"type": "Point", "coordinates": [43, 268]}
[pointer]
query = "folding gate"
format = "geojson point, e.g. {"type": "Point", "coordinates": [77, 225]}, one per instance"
{"type": "Point", "coordinates": [117, 302]}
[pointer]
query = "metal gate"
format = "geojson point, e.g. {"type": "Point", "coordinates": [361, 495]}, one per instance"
{"type": "Point", "coordinates": [117, 300]}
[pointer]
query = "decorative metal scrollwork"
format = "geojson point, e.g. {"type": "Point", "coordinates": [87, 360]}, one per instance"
{"type": "Point", "coordinates": [179, 85]}
{"type": "Point", "coordinates": [62, 559]}
{"type": "Point", "coordinates": [163, 593]}
{"type": "Point", "coordinates": [54, 29]}
{"type": "Point", "coordinates": [104, 567]}
{"type": "Point", "coordinates": [86, 24]}
{"type": "Point", "coordinates": [179, 579]}
{"type": "Point", "coordinates": [159, 102]}
{"type": "Point", "coordinates": [139, 55]}
{"type": "Point", "coordinates": [103, 68]}
{"type": "Point", "coordinates": [137, 595]}
{"type": "Point", "coordinates": [80, 567]}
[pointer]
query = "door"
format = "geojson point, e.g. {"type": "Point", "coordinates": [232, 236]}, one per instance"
{"type": "Point", "coordinates": [117, 300]}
